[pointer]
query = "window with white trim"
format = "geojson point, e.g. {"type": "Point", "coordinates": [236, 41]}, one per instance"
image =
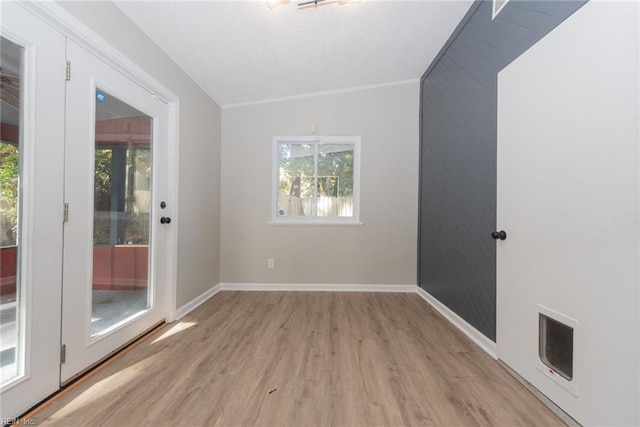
{"type": "Point", "coordinates": [316, 179]}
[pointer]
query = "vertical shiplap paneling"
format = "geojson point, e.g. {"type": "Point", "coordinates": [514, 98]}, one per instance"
{"type": "Point", "coordinates": [457, 257]}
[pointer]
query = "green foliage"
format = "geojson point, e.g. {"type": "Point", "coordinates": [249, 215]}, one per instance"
{"type": "Point", "coordinates": [132, 226]}
{"type": "Point", "coordinates": [9, 173]}
{"type": "Point", "coordinates": [339, 165]}
{"type": "Point", "coordinates": [136, 230]}
{"type": "Point", "coordinates": [296, 164]}
{"type": "Point", "coordinates": [102, 195]}
{"type": "Point", "coordinates": [136, 225]}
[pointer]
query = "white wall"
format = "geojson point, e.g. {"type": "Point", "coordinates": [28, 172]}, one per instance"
{"type": "Point", "coordinates": [383, 251]}
{"type": "Point", "coordinates": [200, 122]}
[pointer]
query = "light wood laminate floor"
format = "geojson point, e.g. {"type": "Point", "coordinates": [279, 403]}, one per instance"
{"type": "Point", "coordinates": [302, 359]}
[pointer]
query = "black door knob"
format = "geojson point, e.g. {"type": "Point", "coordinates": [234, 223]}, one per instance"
{"type": "Point", "coordinates": [502, 235]}
{"type": "Point", "coordinates": [165, 220]}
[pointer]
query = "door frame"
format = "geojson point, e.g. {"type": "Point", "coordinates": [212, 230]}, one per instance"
{"type": "Point", "coordinates": [40, 236]}
{"type": "Point", "coordinates": [54, 15]}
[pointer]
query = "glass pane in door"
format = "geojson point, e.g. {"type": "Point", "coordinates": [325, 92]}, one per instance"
{"type": "Point", "coordinates": [122, 208]}
{"type": "Point", "coordinates": [11, 301]}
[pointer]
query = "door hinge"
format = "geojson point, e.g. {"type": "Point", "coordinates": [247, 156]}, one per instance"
{"type": "Point", "coordinates": [63, 353]}
{"type": "Point", "coordinates": [68, 72]}
{"type": "Point", "coordinates": [66, 213]}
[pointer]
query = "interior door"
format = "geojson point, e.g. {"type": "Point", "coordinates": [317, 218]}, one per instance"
{"type": "Point", "coordinates": [115, 188]}
{"type": "Point", "coordinates": [568, 201]}
{"type": "Point", "coordinates": [31, 182]}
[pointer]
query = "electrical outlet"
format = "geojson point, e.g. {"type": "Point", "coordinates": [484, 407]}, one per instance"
{"type": "Point", "coordinates": [271, 263]}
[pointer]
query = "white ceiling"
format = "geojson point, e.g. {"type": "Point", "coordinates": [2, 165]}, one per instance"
{"type": "Point", "coordinates": [242, 51]}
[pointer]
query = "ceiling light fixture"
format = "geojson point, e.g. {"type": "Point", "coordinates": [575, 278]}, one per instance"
{"type": "Point", "coordinates": [304, 4]}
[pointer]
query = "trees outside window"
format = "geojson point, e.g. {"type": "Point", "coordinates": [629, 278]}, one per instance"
{"type": "Point", "coordinates": [9, 186]}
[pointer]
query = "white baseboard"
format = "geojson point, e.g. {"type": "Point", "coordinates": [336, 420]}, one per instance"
{"type": "Point", "coordinates": [474, 335]}
{"type": "Point", "coordinates": [566, 418]}
{"type": "Point", "coordinates": [197, 301]}
{"type": "Point", "coordinates": [315, 287]}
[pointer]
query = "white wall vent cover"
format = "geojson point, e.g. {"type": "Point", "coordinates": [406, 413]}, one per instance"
{"type": "Point", "coordinates": [498, 5]}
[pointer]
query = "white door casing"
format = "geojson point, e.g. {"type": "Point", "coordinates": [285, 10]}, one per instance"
{"type": "Point", "coordinates": [568, 199]}
{"type": "Point", "coordinates": [42, 131]}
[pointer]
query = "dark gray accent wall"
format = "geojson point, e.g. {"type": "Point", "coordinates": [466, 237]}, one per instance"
{"type": "Point", "coordinates": [458, 125]}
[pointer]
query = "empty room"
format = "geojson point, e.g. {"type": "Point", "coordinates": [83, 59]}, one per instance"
{"type": "Point", "coordinates": [320, 212]}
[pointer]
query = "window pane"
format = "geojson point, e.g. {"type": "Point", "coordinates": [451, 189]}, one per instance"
{"type": "Point", "coordinates": [335, 180]}
{"type": "Point", "coordinates": [296, 179]}
{"type": "Point", "coordinates": [556, 346]}
{"type": "Point", "coordinates": [10, 164]}
{"type": "Point", "coordinates": [122, 196]}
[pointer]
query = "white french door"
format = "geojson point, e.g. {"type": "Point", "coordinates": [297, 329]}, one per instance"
{"type": "Point", "coordinates": [84, 210]}
{"type": "Point", "coordinates": [115, 237]}
{"type": "Point", "coordinates": [31, 151]}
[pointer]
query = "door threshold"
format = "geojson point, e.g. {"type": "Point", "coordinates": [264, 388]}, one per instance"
{"type": "Point", "coordinates": [84, 375]}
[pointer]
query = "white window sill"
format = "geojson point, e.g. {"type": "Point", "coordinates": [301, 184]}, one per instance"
{"type": "Point", "coordinates": [317, 223]}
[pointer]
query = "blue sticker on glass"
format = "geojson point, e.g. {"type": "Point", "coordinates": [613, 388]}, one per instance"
{"type": "Point", "coordinates": [281, 212]}
{"type": "Point", "coordinates": [100, 96]}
